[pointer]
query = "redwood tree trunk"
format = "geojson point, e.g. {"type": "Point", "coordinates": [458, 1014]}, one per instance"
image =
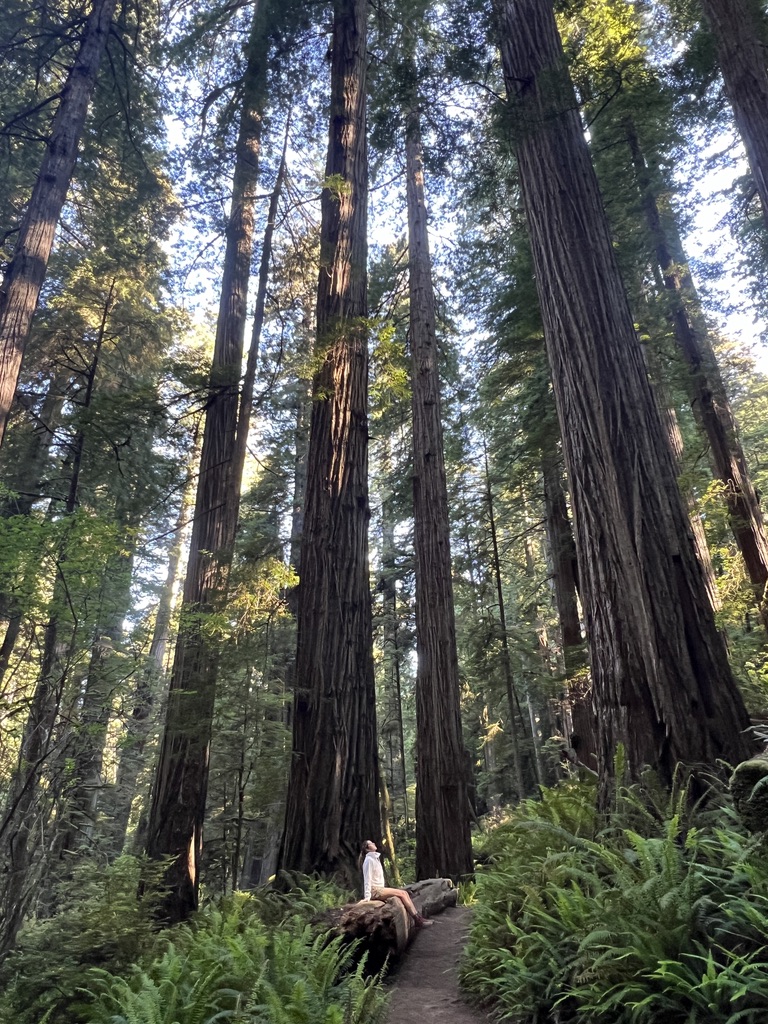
{"type": "Point", "coordinates": [709, 399]}
{"type": "Point", "coordinates": [332, 803]}
{"type": "Point", "coordinates": [176, 817]}
{"type": "Point", "coordinates": [740, 33]}
{"type": "Point", "coordinates": [562, 552]}
{"type": "Point", "coordinates": [579, 718]}
{"type": "Point", "coordinates": [392, 724]}
{"type": "Point", "coordinates": [516, 720]}
{"type": "Point", "coordinates": [25, 275]}
{"type": "Point", "coordinates": [675, 436]}
{"type": "Point", "coordinates": [443, 845]}
{"type": "Point", "coordinates": [663, 686]}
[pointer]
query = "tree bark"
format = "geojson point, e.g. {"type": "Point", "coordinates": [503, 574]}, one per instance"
{"type": "Point", "coordinates": [579, 718]}
{"type": "Point", "coordinates": [133, 750]}
{"type": "Point", "coordinates": [709, 399]}
{"type": "Point", "coordinates": [249, 378]}
{"type": "Point", "coordinates": [175, 827]}
{"type": "Point", "coordinates": [515, 720]}
{"type": "Point", "coordinates": [740, 33]}
{"type": "Point", "coordinates": [332, 803]}
{"type": "Point", "coordinates": [663, 687]}
{"type": "Point", "coordinates": [24, 278]}
{"type": "Point", "coordinates": [675, 437]}
{"type": "Point", "coordinates": [392, 724]}
{"type": "Point", "coordinates": [565, 573]}
{"type": "Point", "coordinates": [443, 845]}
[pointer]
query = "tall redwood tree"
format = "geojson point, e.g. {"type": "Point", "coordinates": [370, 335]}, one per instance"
{"type": "Point", "coordinates": [709, 400]}
{"type": "Point", "coordinates": [662, 683]}
{"type": "Point", "coordinates": [25, 275]}
{"type": "Point", "coordinates": [180, 786]}
{"type": "Point", "coordinates": [443, 845]}
{"type": "Point", "coordinates": [740, 32]}
{"type": "Point", "coordinates": [332, 803]}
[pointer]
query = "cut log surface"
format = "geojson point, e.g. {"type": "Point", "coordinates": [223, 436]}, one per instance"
{"type": "Point", "coordinates": [433, 895]}
{"type": "Point", "coordinates": [384, 927]}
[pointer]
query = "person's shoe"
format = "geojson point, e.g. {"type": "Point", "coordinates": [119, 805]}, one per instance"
{"type": "Point", "coordinates": [421, 922]}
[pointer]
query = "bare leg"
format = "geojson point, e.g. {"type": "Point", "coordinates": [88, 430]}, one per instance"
{"type": "Point", "coordinates": [407, 902]}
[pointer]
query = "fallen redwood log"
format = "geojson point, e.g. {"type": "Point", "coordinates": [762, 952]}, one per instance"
{"type": "Point", "coordinates": [384, 928]}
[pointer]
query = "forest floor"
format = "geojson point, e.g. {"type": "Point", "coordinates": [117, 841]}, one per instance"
{"type": "Point", "coordinates": [425, 985]}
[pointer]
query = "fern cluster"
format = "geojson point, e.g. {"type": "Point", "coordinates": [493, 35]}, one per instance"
{"type": "Point", "coordinates": [252, 958]}
{"type": "Point", "coordinates": [229, 966]}
{"type": "Point", "coordinates": [97, 918]}
{"type": "Point", "coordinates": [661, 916]}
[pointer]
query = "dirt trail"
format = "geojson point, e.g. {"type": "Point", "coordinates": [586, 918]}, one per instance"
{"type": "Point", "coordinates": [425, 987]}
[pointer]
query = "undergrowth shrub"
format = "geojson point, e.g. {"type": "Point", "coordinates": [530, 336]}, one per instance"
{"type": "Point", "coordinates": [251, 958]}
{"type": "Point", "coordinates": [231, 966]}
{"type": "Point", "coordinates": [661, 917]}
{"type": "Point", "coordinates": [103, 922]}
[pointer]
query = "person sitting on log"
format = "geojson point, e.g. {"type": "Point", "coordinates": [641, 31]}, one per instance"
{"type": "Point", "coordinates": [375, 887]}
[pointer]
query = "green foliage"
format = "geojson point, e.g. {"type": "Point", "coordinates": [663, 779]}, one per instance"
{"type": "Point", "coordinates": [230, 966]}
{"type": "Point", "coordinates": [102, 922]}
{"type": "Point", "coordinates": [305, 897]}
{"type": "Point", "coordinates": [666, 923]}
{"type": "Point", "coordinates": [467, 894]}
{"type": "Point", "coordinates": [250, 958]}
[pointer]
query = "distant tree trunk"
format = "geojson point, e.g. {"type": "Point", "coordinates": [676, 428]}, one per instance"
{"type": "Point", "coordinates": [515, 719]}
{"type": "Point", "coordinates": [31, 463]}
{"type": "Point", "coordinates": [580, 721]}
{"type": "Point", "coordinates": [740, 32]}
{"type": "Point", "coordinates": [539, 710]}
{"type": "Point", "coordinates": [24, 278]}
{"type": "Point", "coordinates": [388, 713]}
{"type": "Point", "coordinates": [249, 379]}
{"type": "Point", "coordinates": [663, 687]}
{"type": "Point", "coordinates": [86, 746]}
{"type": "Point", "coordinates": [565, 571]}
{"type": "Point", "coordinates": [133, 749]}
{"type": "Point", "coordinates": [332, 803]}
{"type": "Point", "coordinates": [443, 845]}
{"type": "Point", "coordinates": [19, 828]}
{"type": "Point", "coordinates": [176, 817]}
{"type": "Point", "coordinates": [391, 655]}
{"type": "Point", "coordinates": [709, 399]}
{"type": "Point", "coordinates": [387, 842]}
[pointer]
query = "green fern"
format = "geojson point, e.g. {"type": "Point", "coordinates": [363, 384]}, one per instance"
{"type": "Point", "coordinates": [230, 966]}
{"type": "Point", "coordinates": [611, 928]}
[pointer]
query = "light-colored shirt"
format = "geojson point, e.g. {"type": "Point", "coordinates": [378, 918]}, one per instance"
{"type": "Point", "coordinates": [373, 874]}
